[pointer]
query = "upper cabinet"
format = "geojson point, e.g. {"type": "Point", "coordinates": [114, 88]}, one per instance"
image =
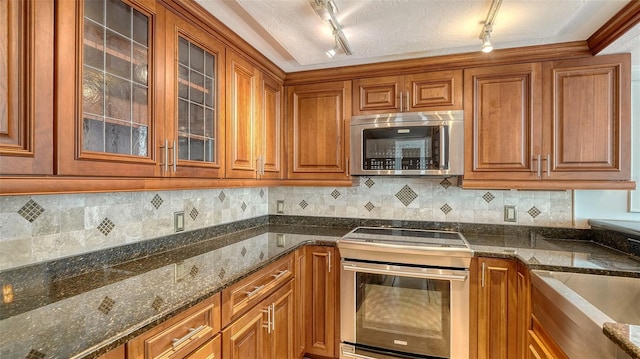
{"type": "Point", "coordinates": [106, 54]}
{"type": "Point", "coordinates": [141, 97]}
{"type": "Point", "coordinates": [254, 121]}
{"type": "Point", "coordinates": [431, 91]}
{"type": "Point", "coordinates": [553, 125]}
{"type": "Point", "coordinates": [26, 87]}
{"type": "Point", "coordinates": [318, 130]}
{"type": "Point", "coordinates": [191, 143]}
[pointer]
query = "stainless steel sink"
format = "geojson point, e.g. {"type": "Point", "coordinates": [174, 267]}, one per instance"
{"type": "Point", "coordinates": [573, 307]}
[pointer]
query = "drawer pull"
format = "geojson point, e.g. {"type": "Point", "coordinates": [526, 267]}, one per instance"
{"type": "Point", "coordinates": [280, 274]}
{"type": "Point", "coordinates": [268, 325]}
{"type": "Point", "coordinates": [254, 291]}
{"type": "Point", "coordinates": [192, 332]}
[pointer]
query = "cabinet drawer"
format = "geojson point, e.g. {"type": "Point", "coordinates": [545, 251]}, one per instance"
{"type": "Point", "coordinates": [209, 350]}
{"type": "Point", "coordinates": [181, 335]}
{"type": "Point", "coordinates": [241, 296]}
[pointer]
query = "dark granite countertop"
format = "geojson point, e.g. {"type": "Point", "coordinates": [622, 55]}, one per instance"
{"type": "Point", "coordinates": [58, 312]}
{"type": "Point", "coordinates": [627, 336]}
{"type": "Point", "coordinates": [631, 228]}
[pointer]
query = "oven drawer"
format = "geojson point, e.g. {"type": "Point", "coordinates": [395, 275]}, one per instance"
{"type": "Point", "coordinates": [243, 295]}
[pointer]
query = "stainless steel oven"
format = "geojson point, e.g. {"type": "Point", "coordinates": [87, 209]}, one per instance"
{"type": "Point", "coordinates": [404, 294]}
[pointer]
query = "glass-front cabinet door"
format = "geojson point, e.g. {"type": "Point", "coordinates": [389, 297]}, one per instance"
{"type": "Point", "coordinates": [105, 62]}
{"type": "Point", "coordinates": [194, 134]}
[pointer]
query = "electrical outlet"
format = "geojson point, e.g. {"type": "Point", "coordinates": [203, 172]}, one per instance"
{"type": "Point", "coordinates": [280, 207]}
{"type": "Point", "coordinates": [280, 240]}
{"type": "Point", "coordinates": [510, 214]}
{"type": "Point", "coordinates": [178, 221]}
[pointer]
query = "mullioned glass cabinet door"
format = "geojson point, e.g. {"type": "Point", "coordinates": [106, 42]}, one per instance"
{"type": "Point", "coordinates": [106, 108]}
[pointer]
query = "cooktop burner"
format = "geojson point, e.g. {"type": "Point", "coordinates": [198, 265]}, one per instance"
{"type": "Point", "coordinates": [401, 245]}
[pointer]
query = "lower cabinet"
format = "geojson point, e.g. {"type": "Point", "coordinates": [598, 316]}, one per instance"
{"type": "Point", "coordinates": [265, 331]}
{"type": "Point", "coordinates": [496, 300]}
{"type": "Point", "coordinates": [321, 301]}
{"type": "Point", "coordinates": [541, 346]}
{"type": "Point", "coordinates": [209, 350]}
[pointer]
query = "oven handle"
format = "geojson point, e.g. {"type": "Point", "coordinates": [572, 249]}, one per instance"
{"type": "Point", "coordinates": [405, 271]}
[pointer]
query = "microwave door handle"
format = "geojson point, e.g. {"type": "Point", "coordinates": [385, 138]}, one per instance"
{"type": "Point", "coordinates": [444, 152]}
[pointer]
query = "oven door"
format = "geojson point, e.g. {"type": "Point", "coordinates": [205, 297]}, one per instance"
{"type": "Point", "coordinates": [396, 311]}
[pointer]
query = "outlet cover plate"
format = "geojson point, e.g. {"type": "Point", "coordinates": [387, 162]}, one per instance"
{"type": "Point", "coordinates": [178, 221]}
{"type": "Point", "coordinates": [510, 214]}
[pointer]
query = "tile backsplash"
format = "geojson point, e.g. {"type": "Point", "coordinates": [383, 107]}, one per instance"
{"type": "Point", "coordinates": [425, 200]}
{"type": "Point", "coordinates": [44, 227]}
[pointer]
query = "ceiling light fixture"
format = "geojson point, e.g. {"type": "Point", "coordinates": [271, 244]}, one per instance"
{"type": "Point", "coordinates": [327, 10]}
{"type": "Point", "coordinates": [485, 34]}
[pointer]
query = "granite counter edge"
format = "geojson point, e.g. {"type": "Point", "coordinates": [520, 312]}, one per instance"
{"type": "Point", "coordinates": [619, 334]}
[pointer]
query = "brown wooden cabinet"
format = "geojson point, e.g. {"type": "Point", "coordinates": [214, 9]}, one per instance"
{"type": "Point", "coordinates": [209, 350]}
{"type": "Point", "coordinates": [524, 309]}
{"type": "Point", "coordinates": [26, 87]}
{"type": "Point", "coordinates": [321, 301]}
{"type": "Point", "coordinates": [181, 335]}
{"type": "Point", "coordinates": [552, 125]}
{"type": "Point", "coordinates": [497, 314]}
{"type": "Point", "coordinates": [409, 93]}
{"type": "Point", "coordinates": [301, 297]}
{"type": "Point", "coordinates": [142, 98]}
{"type": "Point", "coordinates": [254, 122]}
{"type": "Point", "coordinates": [318, 130]}
{"type": "Point", "coordinates": [265, 331]}
{"type": "Point", "coordinates": [541, 345]}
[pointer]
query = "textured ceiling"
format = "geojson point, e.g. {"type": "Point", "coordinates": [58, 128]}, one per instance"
{"type": "Point", "coordinates": [290, 34]}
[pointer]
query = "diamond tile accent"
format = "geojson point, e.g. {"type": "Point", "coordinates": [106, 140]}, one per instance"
{"type": "Point", "coordinates": [194, 270]}
{"type": "Point", "coordinates": [369, 206]}
{"type": "Point", "coordinates": [534, 212]}
{"type": "Point", "coordinates": [106, 226]}
{"type": "Point", "coordinates": [157, 201]}
{"type": "Point", "coordinates": [31, 210]}
{"type": "Point", "coordinates": [157, 303]}
{"type": "Point", "coordinates": [446, 209]}
{"type": "Point", "coordinates": [222, 196]}
{"type": "Point", "coordinates": [533, 260]}
{"type": "Point", "coordinates": [406, 195]}
{"type": "Point", "coordinates": [488, 197]}
{"type": "Point", "coordinates": [106, 305]}
{"type": "Point", "coordinates": [303, 204]}
{"type": "Point", "coordinates": [34, 354]}
{"type": "Point", "coordinates": [446, 183]}
{"type": "Point", "coordinates": [243, 251]}
{"type": "Point", "coordinates": [369, 182]}
{"type": "Point", "coordinates": [335, 194]}
{"type": "Point", "coordinates": [222, 273]}
{"type": "Point", "coordinates": [261, 193]}
{"type": "Point", "coordinates": [194, 214]}
{"type": "Point", "coordinates": [261, 255]}
{"type": "Point", "coordinates": [243, 207]}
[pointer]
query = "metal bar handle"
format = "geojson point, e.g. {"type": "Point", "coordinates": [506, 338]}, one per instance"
{"type": "Point", "coordinates": [192, 332]}
{"type": "Point", "coordinates": [273, 317]}
{"type": "Point", "coordinates": [175, 157]}
{"type": "Point", "coordinates": [407, 107]}
{"type": "Point", "coordinates": [329, 260]}
{"type": "Point", "coordinates": [401, 93]}
{"type": "Point", "coordinates": [483, 266]}
{"type": "Point", "coordinates": [548, 165]}
{"type": "Point", "coordinates": [444, 149]}
{"type": "Point", "coordinates": [415, 274]}
{"type": "Point", "coordinates": [280, 274]}
{"type": "Point", "coordinates": [539, 166]}
{"type": "Point", "coordinates": [254, 291]}
{"type": "Point", "coordinates": [268, 325]}
{"type": "Point", "coordinates": [165, 162]}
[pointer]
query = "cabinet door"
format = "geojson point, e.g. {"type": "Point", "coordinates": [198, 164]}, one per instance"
{"type": "Point", "coordinates": [105, 53]}
{"type": "Point", "coordinates": [321, 301]}
{"type": "Point", "coordinates": [434, 91]}
{"type": "Point", "coordinates": [281, 338]}
{"type": "Point", "coordinates": [26, 87]}
{"type": "Point", "coordinates": [502, 122]}
{"type": "Point", "coordinates": [192, 144]}
{"type": "Point", "coordinates": [318, 130]}
{"type": "Point", "coordinates": [588, 128]}
{"type": "Point", "coordinates": [247, 336]}
{"type": "Point", "coordinates": [497, 308]}
{"type": "Point", "coordinates": [301, 298]}
{"type": "Point", "coordinates": [272, 143]}
{"type": "Point", "coordinates": [524, 309]}
{"type": "Point", "coordinates": [209, 350]}
{"type": "Point", "coordinates": [243, 125]}
{"type": "Point", "coordinates": [377, 95]}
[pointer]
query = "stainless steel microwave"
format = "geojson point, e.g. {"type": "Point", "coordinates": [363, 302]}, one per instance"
{"type": "Point", "coordinates": [408, 144]}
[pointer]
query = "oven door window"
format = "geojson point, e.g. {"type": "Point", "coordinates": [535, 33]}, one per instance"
{"type": "Point", "coordinates": [403, 314]}
{"type": "Point", "coordinates": [405, 148]}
